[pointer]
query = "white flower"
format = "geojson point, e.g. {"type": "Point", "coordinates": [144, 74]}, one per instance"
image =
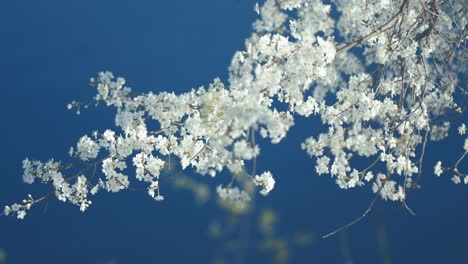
{"type": "Point", "coordinates": [109, 135]}
{"type": "Point", "coordinates": [15, 207]}
{"type": "Point", "coordinates": [384, 3]}
{"type": "Point", "coordinates": [462, 129]}
{"type": "Point", "coordinates": [95, 189]}
{"type": "Point", "coordinates": [328, 49]}
{"type": "Point", "coordinates": [21, 214]}
{"type": "Point", "coordinates": [289, 4]}
{"type": "Point", "coordinates": [375, 187]}
{"type": "Point", "coordinates": [87, 149]}
{"type": "Point", "coordinates": [151, 189]}
{"type": "Point", "coordinates": [245, 151]}
{"type": "Point", "coordinates": [369, 176]}
{"type": "Point", "coordinates": [440, 132]}
{"type": "Point", "coordinates": [234, 197]}
{"type": "Point", "coordinates": [115, 181]}
{"type": "Point", "coordinates": [296, 64]}
{"type": "Point", "coordinates": [7, 210]}
{"type": "Point", "coordinates": [84, 205]}
{"type": "Point", "coordinates": [308, 107]}
{"type": "Point", "coordinates": [404, 166]}
{"type": "Point", "coordinates": [354, 180]}
{"type": "Point", "coordinates": [438, 170]}
{"type": "Point", "coordinates": [391, 192]}
{"type": "Point", "coordinates": [265, 180]}
{"type": "Point", "coordinates": [257, 8]}
{"type": "Point", "coordinates": [31, 170]}
{"type": "Point", "coordinates": [322, 165]}
{"type": "Point", "coordinates": [148, 167]}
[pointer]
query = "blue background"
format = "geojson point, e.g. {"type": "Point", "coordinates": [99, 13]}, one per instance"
{"type": "Point", "coordinates": [49, 49]}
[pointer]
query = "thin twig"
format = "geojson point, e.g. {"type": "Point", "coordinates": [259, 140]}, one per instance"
{"type": "Point", "coordinates": [407, 208]}
{"type": "Point", "coordinates": [355, 221]}
{"type": "Point", "coordinates": [379, 30]}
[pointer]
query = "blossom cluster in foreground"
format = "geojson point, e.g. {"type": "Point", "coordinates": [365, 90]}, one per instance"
{"type": "Point", "coordinates": [384, 77]}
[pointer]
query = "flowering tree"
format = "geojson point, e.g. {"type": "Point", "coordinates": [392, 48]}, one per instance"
{"type": "Point", "coordinates": [385, 77]}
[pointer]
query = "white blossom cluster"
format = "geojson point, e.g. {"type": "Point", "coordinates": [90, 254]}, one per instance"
{"type": "Point", "coordinates": [18, 209]}
{"type": "Point", "coordinates": [382, 101]}
{"type": "Point", "coordinates": [265, 180]}
{"type": "Point", "coordinates": [234, 198]}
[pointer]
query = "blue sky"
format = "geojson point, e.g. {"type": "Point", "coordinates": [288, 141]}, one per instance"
{"type": "Point", "coordinates": [48, 51]}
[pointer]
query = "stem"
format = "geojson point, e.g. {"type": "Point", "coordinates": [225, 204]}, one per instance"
{"type": "Point", "coordinates": [379, 30]}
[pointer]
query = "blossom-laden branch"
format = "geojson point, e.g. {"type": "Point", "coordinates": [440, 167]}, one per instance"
{"type": "Point", "coordinates": [384, 102]}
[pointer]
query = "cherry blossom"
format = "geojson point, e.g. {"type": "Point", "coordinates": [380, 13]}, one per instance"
{"type": "Point", "coordinates": [384, 77]}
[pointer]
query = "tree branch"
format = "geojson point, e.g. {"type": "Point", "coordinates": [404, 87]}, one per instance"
{"type": "Point", "coordinates": [379, 30]}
